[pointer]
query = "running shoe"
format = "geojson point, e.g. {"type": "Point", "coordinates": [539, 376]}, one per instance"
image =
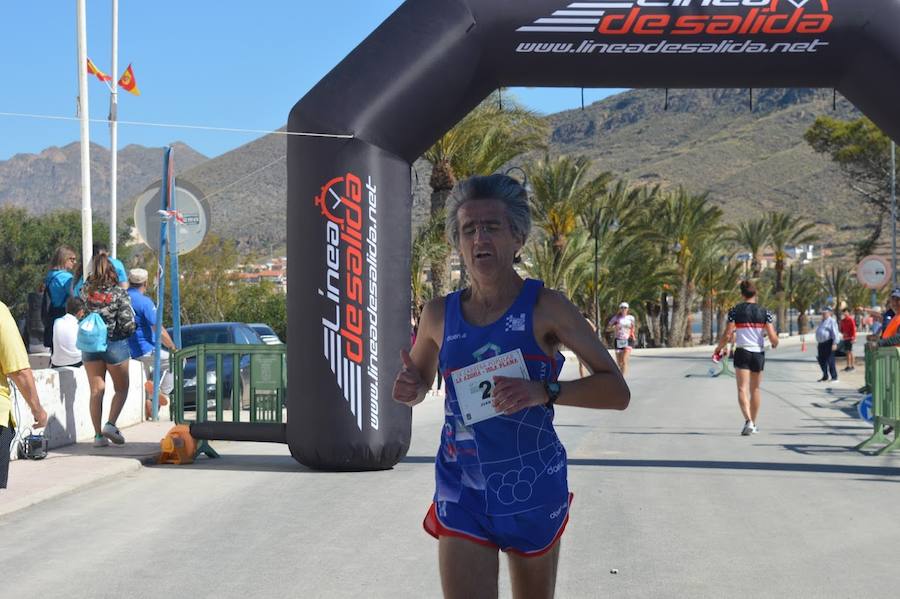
{"type": "Point", "coordinates": [111, 432]}
{"type": "Point", "coordinates": [835, 380]}
{"type": "Point", "coordinates": [748, 429]}
{"type": "Point", "coordinates": [100, 441]}
{"type": "Point", "coordinates": [822, 380]}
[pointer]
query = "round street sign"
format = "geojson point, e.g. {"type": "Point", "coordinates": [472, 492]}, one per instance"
{"type": "Point", "coordinates": [873, 272]}
{"type": "Point", "coordinates": [191, 206]}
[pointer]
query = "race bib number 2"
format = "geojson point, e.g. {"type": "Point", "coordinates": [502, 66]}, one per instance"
{"type": "Point", "coordinates": [474, 384]}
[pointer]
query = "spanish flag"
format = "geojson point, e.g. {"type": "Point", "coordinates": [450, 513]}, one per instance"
{"type": "Point", "coordinates": [93, 70]}
{"type": "Point", "coordinates": [127, 82]}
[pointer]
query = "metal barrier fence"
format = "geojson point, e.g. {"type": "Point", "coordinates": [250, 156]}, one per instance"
{"type": "Point", "coordinates": [870, 369]}
{"type": "Point", "coordinates": [228, 385]}
{"type": "Point", "coordinates": [885, 388]}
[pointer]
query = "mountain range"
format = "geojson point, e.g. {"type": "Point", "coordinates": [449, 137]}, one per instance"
{"type": "Point", "coordinates": [751, 158]}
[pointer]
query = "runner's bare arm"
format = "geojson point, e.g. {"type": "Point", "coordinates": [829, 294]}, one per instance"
{"type": "Point", "coordinates": [421, 362]}
{"type": "Point", "coordinates": [729, 331]}
{"type": "Point", "coordinates": [558, 321]}
{"type": "Point", "coordinates": [772, 335]}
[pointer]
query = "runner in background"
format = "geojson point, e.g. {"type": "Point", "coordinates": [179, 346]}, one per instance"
{"type": "Point", "coordinates": [750, 324]}
{"type": "Point", "coordinates": [623, 325]}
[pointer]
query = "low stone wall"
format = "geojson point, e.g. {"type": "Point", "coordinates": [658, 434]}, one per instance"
{"type": "Point", "coordinates": [65, 394]}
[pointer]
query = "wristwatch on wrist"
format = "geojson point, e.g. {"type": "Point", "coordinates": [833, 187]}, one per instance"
{"type": "Point", "coordinates": [552, 390]}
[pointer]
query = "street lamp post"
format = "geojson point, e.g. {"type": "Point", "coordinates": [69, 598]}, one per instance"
{"type": "Point", "coordinates": [613, 226]}
{"type": "Point", "coordinates": [790, 299]}
{"type": "Point", "coordinates": [894, 209]}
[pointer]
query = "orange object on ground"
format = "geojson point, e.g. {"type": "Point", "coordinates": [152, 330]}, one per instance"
{"type": "Point", "coordinates": [178, 446]}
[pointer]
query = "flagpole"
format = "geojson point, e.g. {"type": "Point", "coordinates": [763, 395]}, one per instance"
{"type": "Point", "coordinates": [113, 129]}
{"type": "Point", "coordinates": [87, 240]}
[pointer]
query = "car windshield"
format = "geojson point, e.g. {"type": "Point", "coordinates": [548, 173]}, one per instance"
{"type": "Point", "coordinates": [262, 329]}
{"type": "Point", "coordinates": [191, 337]}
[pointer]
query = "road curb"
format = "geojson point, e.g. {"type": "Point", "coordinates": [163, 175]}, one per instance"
{"type": "Point", "coordinates": [115, 468]}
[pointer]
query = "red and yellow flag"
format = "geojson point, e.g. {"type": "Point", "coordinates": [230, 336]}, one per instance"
{"type": "Point", "coordinates": [93, 70]}
{"type": "Point", "coordinates": [127, 82]}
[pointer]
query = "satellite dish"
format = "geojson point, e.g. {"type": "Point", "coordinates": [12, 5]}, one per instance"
{"type": "Point", "coordinates": [191, 206]}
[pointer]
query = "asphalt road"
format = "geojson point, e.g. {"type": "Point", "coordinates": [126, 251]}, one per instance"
{"type": "Point", "coordinates": [668, 493]}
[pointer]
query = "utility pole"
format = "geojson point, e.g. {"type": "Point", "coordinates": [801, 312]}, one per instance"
{"type": "Point", "coordinates": [894, 210]}
{"type": "Point", "coordinates": [87, 239]}
{"type": "Point", "coordinates": [790, 300]}
{"type": "Point", "coordinates": [113, 129]}
{"type": "Point", "coordinates": [596, 274]}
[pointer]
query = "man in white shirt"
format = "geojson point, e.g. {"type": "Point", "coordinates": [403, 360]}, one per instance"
{"type": "Point", "coordinates": [65, 334]}
{"type": "Point", "coordinates": [827, 336]}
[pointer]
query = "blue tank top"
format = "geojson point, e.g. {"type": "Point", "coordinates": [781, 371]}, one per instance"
{"type": "Point", "coordinates": [507, 464]}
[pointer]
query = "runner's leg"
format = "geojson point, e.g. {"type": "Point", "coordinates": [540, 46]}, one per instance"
{"type": "Point", "coordinates": [742, 375]}
{"type": "Point", "coordinates": [119, 375]}
{"type": "Point", "coordinates": [96, 373]}
{"type": "Point", "coordinates": [822, 359]}
{"type": "Point", "coordinates": [534, 577]}
{"type": "Point", "coordinates": [755, 395]}
{"type": "Point", "coordinates": [468, 570]}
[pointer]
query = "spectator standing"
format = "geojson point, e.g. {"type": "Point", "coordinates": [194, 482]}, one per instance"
{"type": "Point", "coordinates": [14, 364]}
{"type": "Point", "coordinates": [102, 294]}
{"type": "Point", "coordinates": [65, 336]}
{"type": "Point", "coordinates": [848, 336]}
{"type": "Point", "coordinates": [100, 249]}
{"type": "Point", "coordinates": [893, 308]}
{"type": "Point", "coordinates": [57, 289]}
{"type": "Point", "coordinates": [827, 335]}
{"type": "Point", "coordinates": [143, 342]}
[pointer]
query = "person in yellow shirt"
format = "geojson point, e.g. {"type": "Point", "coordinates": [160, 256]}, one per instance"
{"type": "Point", "coordinates": [14, 364]}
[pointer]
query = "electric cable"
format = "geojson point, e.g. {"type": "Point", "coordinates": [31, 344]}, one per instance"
{"type": "Point", "coordinates": [50, 117]}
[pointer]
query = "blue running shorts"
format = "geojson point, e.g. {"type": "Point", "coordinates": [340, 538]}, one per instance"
{"type": "Point", "coordinates": [530, 534]}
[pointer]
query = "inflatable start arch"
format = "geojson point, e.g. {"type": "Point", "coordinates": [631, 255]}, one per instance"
{"type": "Point", "coordinates": [421, 71]}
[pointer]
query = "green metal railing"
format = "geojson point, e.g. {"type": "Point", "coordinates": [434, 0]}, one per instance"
{"type": "Point", "coordinates": [261, 398]}
{"type": "Point", "coordinates": [870, 369]}
{"type": "Point", "coordinates": [885, 387]}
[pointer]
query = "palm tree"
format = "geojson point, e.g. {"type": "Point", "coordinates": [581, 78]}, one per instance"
{"type": "Point", "coordinates": [806, 290]}
{"type": "Point", "coordinates": [429, 246]}
{"type": "Point", "coordinates": [785, 230]}
{"type": "Point", "coordinates": [560, 189]}
{"type": "Point", "coordinates": [568, 270]}
{"type": "Point", "coordinates": [718, 275]}
{"type": "Point", "coordinates": [753, 235]}
{"type": "Point", "coordinates": [682, 224]}
{"type": "Point", "coordinates": [485, 140]}
{"type": "Point", "coordinates": [615, 215]}
{"type": "Point", "coordinates": [837, 283]}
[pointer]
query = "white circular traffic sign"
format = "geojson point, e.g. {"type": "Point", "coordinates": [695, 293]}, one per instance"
{"type": "Point", "coordinates": [873, 272]}
{"type": "Point", "coordinates": [191, 225]}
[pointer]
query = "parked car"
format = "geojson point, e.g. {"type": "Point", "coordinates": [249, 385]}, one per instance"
{"type": "Point", "coordinates": [265, 332]}
{"type": "Point", "coordinates": [218, 332]}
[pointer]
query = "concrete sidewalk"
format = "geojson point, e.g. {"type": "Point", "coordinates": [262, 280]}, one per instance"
{"type": "Point", "coordinates": [74, 467]}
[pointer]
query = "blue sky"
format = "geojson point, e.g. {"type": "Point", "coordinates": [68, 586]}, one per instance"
{"type": "Point", "coordinates": [219, 63]}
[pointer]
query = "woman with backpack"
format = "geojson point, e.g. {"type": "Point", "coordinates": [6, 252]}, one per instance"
{"type": "Point", "coordinates": [57, 289]}
{"type": "Point", "coordinates": [108, 308]}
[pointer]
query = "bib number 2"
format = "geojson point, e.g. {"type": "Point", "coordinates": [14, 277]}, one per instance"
{"type": "Point", "coordinates": [485, 387]}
